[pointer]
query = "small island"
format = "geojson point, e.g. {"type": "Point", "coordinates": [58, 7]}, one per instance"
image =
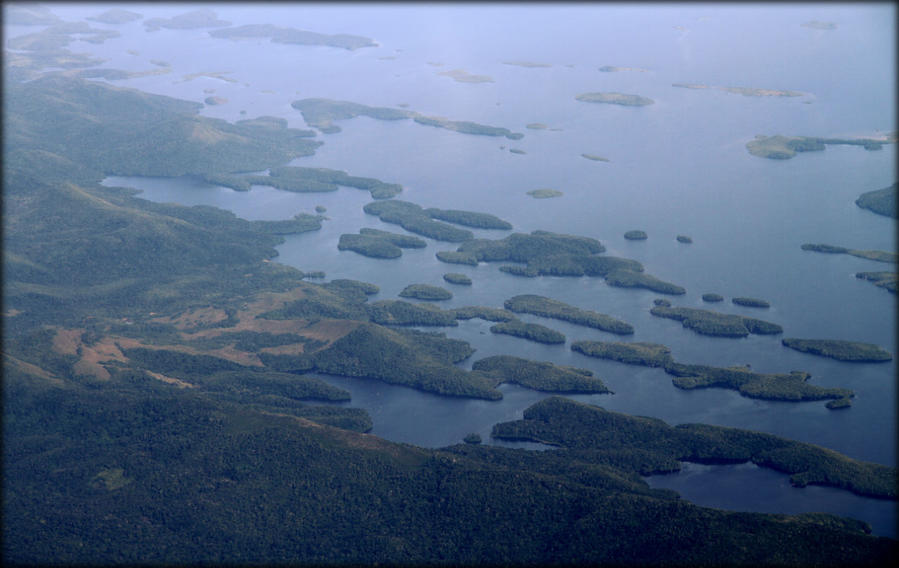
{"type": "Point", "coordinates": [595, 158]}
{"type": "Point", "coordinates": [545, 193]}
{"type": "Point", "coordinates": [623, 278]}
{"type": "Point", "coordinates": [636, 235]}
{"type": "Point", "coordinates": [549, 308]}
{"type": "Point", "coordinates": [840, 350]}
{"type": "Point", "coordinates": [684, 239]}
{"type": "Point", "coordinates": [707, 322]}
{"type": "Point", "coordinates": [622, 99]}
{"type": "Point", "coordinates": [378, 244]}
{"type": "Point", "coordinates": [532, 331]}
{"type": "Point", "coordinates": [542, 376]}
{"type": "Point", "coordinates": [751, 302]}
{"type": "Point", "coordinates": [456, 257]}
{"type": "Point", "coordinates": [615, 69]}
{"type": "Point", "coordinates": [876, 255]}
{"type": "Point", "coordinates": [213, 101]}
{"type": "Point", "coordinates": [792, 387]}
{"type": "Point", "coordinates": [400, 312]}
{"type": "Point", "coordinates": [202, 18]}
{"type": "Point", "coordinates": [528, 64]}
{"type": "Point", "coordinates": [517, 151]}
{"type": "Point", "coordinates": [472, 438]}
{"type": "Point", "coordinates": [293, 36]}
{"type": "Point", "coordinates": [463, 76]}
{"type": "Point", "coordinates": [413, 218]}
{"type": "Point", "coordinates": [426, 292]}
{"type": "Point", "coordinates": [712, 297]}
{"type": "Point", "coordinates": [457, 278]}
{"type": "Point", "coordinates": [115, 16]}
{"type": "Point", "coordinates": [785, 147]}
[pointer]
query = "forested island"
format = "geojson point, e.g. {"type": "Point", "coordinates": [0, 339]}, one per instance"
{"type": "Point", "coordinates": [707, 322]}
{"type": "Point", "coordinates": [876, 255]}
{"type": "Point", "coordinates": [622, 99]}
{"type": "Point", "coordinates": [839, 349]}
{"type": "Point", "coordinates": [791, 386]}
{"type": "Point", "coordinates": [785, 147]}
{"type": "Point", "coordinates": [321, 113]}
{"type": "Point", "coordinates": [547, 307]}
{"type": "Point", "coordinates": [279, 34]}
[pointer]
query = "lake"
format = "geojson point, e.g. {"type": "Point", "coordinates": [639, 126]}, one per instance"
{"type": "Point", "coordinates": [678, 166]}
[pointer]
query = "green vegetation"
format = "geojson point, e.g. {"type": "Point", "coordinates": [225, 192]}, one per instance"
{"type": "Point", "coordinates": [457, 278]}
{"type": "Point", "coordinates": [213, 101]}
{"type": "Point", "coordinates": [532, 331]}
{"type": "Point", "coordinates": [635, 235]}
{"type": "Point", "coordinates": [547, 307]}
{"type": "Point", "coordinates": [293, 36]}
{"type": "Point", "coordinates": [646, 354]}
{"type": "Point", "coordinates": [886, 280]}
{"type": "Point", "coordinates": [463, 76]}
{"type": "Point", "coordinates": [115, 16]}
{"type": "Point", "coordinates": [518, 151]}
{"type": "Point", "coordinates": [578, 426]}
{"type": "Point", "coordinates": [839, 404]}
{"type": "Point", "coordinates": [839, 349]}
{"type": "Point", "coordinates": [880, 201]}
{"type": "Point", "coordinates": [468, 218]}
{"type": "Point", "coordinates": [455, 257]}
{"type": "Point", "coordinates": [369, 245]}
{"type": "Point", "coordinates": [400, 312]}
{"type": "Point", "coordinates": [202, 18]}
{"type": "Point", "coordinates": [148, 416]}
{"type": "Point", "coordinates": [375, 352]}
{"type": "Point", "coordinates": [751, 302]}
{"type": "Point", "coordinates": [791, 386]}
{"type": "Point", "coordinates": [321, 113]}
{"type": "Point", "coordinates": [482, 312]}
{"type": "Point", "coordinates": [595, 158]}
{"type": "Point", "coordinates": [518, 270]}
{"type": "Point", "coordinates": [426, 292]}
{"type": "Point", "coordinates": [661, 302]}
{"type": "Point", "coordinates": [414, 219]}
{"type": "Point", "coordinates": [288, 491]}
{"type": "Point", "coordinates": [712, 297]}
{"type": "Point", "coordinates": [707, 322]}
{"type": "Point", "coordinates": [615, 99]}
{"type": "Point", "coordinates": [297, 179]}
{"type": "Point", "coordinates": [545, 193]}
{"type": "Point", "coordinates": [623, 278]}
{"type": "Point", "coordinates": [542, 376]}
{"type": "Point", "coordinates": [379, 244]}
{"type": "Point", "coordinates": [402, 241]}
{"type": "Point", "coordinates": [472, 438]}
{"type": "Point", "coordinates": [684, 239]}
{"type": "Point", "coordinates": [876, 255]}
{"type": "Point", "coordinates": [466, 127]}
{"type": "Point", "coordinates": [785, 387]}
{"type": "Point", "coordinates": [785, 147]}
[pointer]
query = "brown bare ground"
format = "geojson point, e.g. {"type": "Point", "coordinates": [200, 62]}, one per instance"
{"type": "Point", "coordinates": [67, 341]}
{"type": "Point", "coordinates": [32, 370]}
{"type": "Point", "coordinates": [170, 380]}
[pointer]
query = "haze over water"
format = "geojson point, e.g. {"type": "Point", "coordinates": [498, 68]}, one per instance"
{"type": "Point", "coordinates": [678, 166]}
